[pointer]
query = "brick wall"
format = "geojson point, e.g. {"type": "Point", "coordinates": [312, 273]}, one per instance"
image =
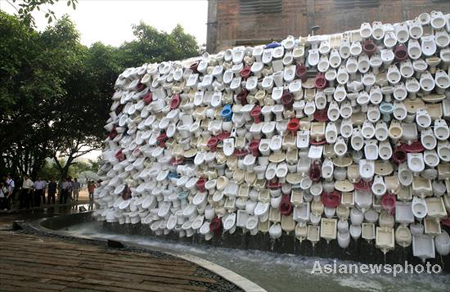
{"type": "Point", "coordinates": [232, 28]}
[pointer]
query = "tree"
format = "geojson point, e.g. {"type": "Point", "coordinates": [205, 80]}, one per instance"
{"type": "Point", "coordinates": [26, 7]}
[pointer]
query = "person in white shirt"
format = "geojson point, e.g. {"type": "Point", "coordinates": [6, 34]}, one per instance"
{"type": "Point", "coordinates": [3, 196]}
{"type": "Point", "coordinates": [39, 188]}
{"type": "Point", "coordinates": [25, 195]}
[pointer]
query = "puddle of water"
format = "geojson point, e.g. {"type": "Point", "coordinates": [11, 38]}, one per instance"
{"type": "Point", "coordinates": [281, 272]}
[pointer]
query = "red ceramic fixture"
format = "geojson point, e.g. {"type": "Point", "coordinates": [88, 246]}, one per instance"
{"type": "Point", "coordinates": [242, 97]}
{"type": "Point", "coordinates": [287, 99]}
{"type": "Point", "coordinates": [222, 136]}
{"type": "Point", "coordinates": [320, 82]}
{"type": "Point", "coordinates": [273, 185]}
{"type": "Point", "coordinates": [113, 133]}
{"type": "Point", "coordinates": [194, 67]}
{"type": "Point", "coordinates": [369, 47]}
{"type": "Point", "coordinates": [388, 203]}
{"type": "Point", "coordinates": [399, 155]}
{"type": "Point", "coordinates": [446, 220]}
{"type": "Point", "coordinates": [162, 140]}
{"type": "Point", "coordinates": [400, 52]}
{"type": "Point", "coordinates": [176, 161]}
{"type": "Point", "coordinates": [254, 147]}
{"type": "Point", "coordinates": [314, 173]}
{"type": "Point", "coordinates": [414, 147]}
{"type": "Point", "coordinates": [285, 205]}
{"type": "Point", "coordinates": [255, 113]}
{"type": "Point", "coordinates": [212, 144]}
{"type": "Point", "coordinates": [362, 185]}
{"type": "Point", "coordinates": [140, 86]}
{"type": "Point", "coordinates": [300, 72]}
{"type": "Point", "coordinates": [175, 102]}
{"type": "Point", "coordinates": [148, 98]}
{"type": "Point", "coordinates": [200, 184]}
{"type": "Point", "coordinates": [316, 143]}
{"type": "Point", "coordinates": [119, 109]}
{"type": "Point", "coordinates": [331, 200]}
{"type": "Point", "coordinates": [126, 193]}
{"type": "Point", "coordinates": [246, 72]}
{"type": "Point", "coordinates": [120, 156]}
{"type": "Point", "coordinates": [240, 152]}
{"type": "Point", "coordinates": [293, 126]}
{"type": "Point", "coordinates": [321, 115]}
{"type": "Point", "coordinates": [216, 226]}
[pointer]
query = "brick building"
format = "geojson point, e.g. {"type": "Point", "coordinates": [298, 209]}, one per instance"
{"type": "Point", "coordinates": [251, 22]}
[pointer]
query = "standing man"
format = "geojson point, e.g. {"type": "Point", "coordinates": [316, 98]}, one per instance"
{"type": "Point", "coordinates": [51, 190]}
{"type": "Point", "coordinates": [76, 189]}
{"type": "Point", "coordinates": [91, 189]}
{"type": "Point", "coordinates": [25, 195]}
{"type": "Point", "coordinates": [65, 191]}
{"type": "Point", "coordinates": [11, 186]}
{"type": "Point", "coordinates": [39, 187]}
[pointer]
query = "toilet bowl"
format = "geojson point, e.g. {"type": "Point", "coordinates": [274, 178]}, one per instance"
{"type": "Point", "coordinates": [442, 39]}
{"type": "Point", "coordinates": [419, 208]}
{"type": "Point", "coordinates": [442, 243]}
{"type": "Point", "coordinates": [390, 39]}
{"type": "Point", "coordinates": [423, 119]}
{"type": "Point", "coordinates": [415, 162]}
{"type": "Point", "coordinates": [423, 247]}
{"type": "Point", "coordinates": [340, 147]}
{"type": "Point", "coordinates": [430, 158]}
{"type": "Point", "coordinates": [402, 32]}
{"type": "Point", "coordinates": [371, 150]}
{"type": "Point", "coordinates": [414, 49]}
{"type": "Point", "coordinates": [378, 186]}
{"type": "Point", "coordinates": [365, 30]}
{"type": "Point", "coordinates": [366, 169]}
{"type": "Point", "coordinates": [335, 58]}
{"type": "Point", "coordinates": [428, 45]}
{"type": "Point", "coordinates": [437, 20]}
{"type": "Point", "coordinates": [405, 176]}
{"type": "Point", "coordinates": [393, 74]}
{"type": "Point", "coordinates": [228, 146]}
{"type": "Point", "coordinates": [344, 48]}
{"type": "Point", "coordinates": [323, 64]}
{"type": "Point", "coordinates": [443, 150]}
{"type": "Point", "coordinates": [442, 81]}
{"type": "Point", "coordinates": [346, 129]}
{"type": "Point", "coordinates": [373, 114]}
{"type": "Point", "coordinates": [229, 221]}
{"type": "Point", "coordinates": [313, 57]}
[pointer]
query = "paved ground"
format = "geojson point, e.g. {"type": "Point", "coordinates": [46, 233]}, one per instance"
{"type": "Point", "coordinates": [33, 263]}
{"type": "Point", "coordinates": [30, 262]}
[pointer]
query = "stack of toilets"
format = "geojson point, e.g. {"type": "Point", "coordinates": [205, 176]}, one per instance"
{"type": "Point", "coordinates": [332, 137]}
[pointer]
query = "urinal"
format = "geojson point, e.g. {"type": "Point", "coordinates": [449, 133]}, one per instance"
{"type": "Point", "coordinates": [419, 208]}
{"type": "Point", "coordinates": [363, 200]}
{"type": "Point", "coordinates": [365, 30]}
{"type": "Point", "coordinates": [301, 231]}
{"type": "Point", "coordinates": [355, 231]}
{"type": "Point", "coordinates": [328, 229]}
{"type": "Point", "coordinates": [442, 243]}
{"type": "Point", "coordinates": [423, 247]}
{"type": "Point", "coordinates": [403, 236]}
{"type": "Point", "coordinates": [402, 32]}
{"type": "Point", "coordinates": [317, 132]}
{"type": "Point", "coordinates": [443, 150]}
{"type": "Point", "coordinates": [436, 208]}
{"type": "Point", "coordinates": [385, 239]}
{"type": "Point", "coordinates": [313, 57]}
{"type": "Point", "coordinates": [368, 231]}
{"type": "Point", "coordinates": [437, 20]}
{"type": "Point", "coordinates": [313, 234]}
{"type": "Point", "coordinates": [275, 231]}
{"type": "Point", "coordinates": [428, 45]}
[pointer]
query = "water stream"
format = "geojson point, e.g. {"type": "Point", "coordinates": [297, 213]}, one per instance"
{"type": "Point", "coordinates": [281, 272]}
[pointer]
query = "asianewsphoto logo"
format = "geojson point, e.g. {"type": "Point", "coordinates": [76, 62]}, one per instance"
{"type": "Point", "coordinates": [394, 269]}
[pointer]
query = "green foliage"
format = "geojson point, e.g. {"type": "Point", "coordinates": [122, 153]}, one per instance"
{"type": "Point", "coordinates": [26, 7]}
{"type": "Point", "coordinates": [55, 93]}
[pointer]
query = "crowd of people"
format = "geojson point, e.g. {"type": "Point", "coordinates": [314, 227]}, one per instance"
{"type": "Point", "coordinates": [32, 194]}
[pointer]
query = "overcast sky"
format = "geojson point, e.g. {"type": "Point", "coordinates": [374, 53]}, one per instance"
{"type": "Point", "coordinates": [110, 21]}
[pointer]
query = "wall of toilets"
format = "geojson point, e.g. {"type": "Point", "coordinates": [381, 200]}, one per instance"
{"type": "Point", "coordinates": [326, 137]}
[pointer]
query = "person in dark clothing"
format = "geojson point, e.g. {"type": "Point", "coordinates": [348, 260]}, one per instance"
{"type": "Point", "coordinates": [52, 186]}
{"type": "Point", "coordinates": [65, 191]}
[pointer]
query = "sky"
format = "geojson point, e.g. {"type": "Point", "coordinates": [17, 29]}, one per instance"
{"type": "Point", "coordinates": [110, 21]}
